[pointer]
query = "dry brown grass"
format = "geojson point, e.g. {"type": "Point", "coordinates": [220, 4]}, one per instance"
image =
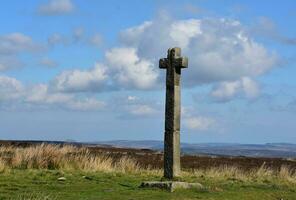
{"type": "Point", "coordinates": [2, 165]}
{"type": "Point", "coordinates": [38, 196]}
{"type": "Point", "coordinates": [47, 156]}
{"type": "Point", "coordinates": [264, 174]}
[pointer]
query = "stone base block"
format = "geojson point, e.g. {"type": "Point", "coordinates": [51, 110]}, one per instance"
{"type": "Point", "coordinates": [171, 185]}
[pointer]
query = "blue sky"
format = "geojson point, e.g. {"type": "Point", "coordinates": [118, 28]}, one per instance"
{"type": "Point", "coordinates": [88, 71]}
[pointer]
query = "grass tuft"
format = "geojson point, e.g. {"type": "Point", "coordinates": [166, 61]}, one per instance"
{"type": "Point", "coordinates": [35, 196]}
{"type": "Point", "coordinates": [2, 165]}
{"type": "Point", "coordinates": [67, 157]}
{"type": "Point", "coordinates": [46, 156]}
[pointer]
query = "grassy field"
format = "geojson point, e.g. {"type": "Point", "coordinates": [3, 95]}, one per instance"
{"type": "Point", "coordinates": [44, 184]}
{"type": "Point", "coordinates": [33, 173]}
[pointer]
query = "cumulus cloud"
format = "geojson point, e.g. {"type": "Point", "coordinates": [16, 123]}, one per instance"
{"type": "Point", "coordinates": [218, 49]}
{"type": "Point", "coordinates": [129, 70]}
{"type": "Point", "coordinates": [193, 121]}
{"type": "Point", "coordinates": [198, 123]}
{"type": "Point", "coordinates": [133, 107]}
{"type": "Point", "coordinates": [13, 44]}
{"type": "Point", "coordinates": [41, 95]}
{"type": "Point", "coordinates": [14, 95]}
{"type": "Point", "coordinates": [8, 62]}
{"type": "Point", "coordinates": [10, 88]}
{"type": "Point", "coordinates": [88, 104]}
{"type": "Point", "coordinates": [141, 110]}
{"type": "Point", "coordinates": [94, 79]}
{"type": "Point", "coordinates": [56, 7]}
{"type": "Point", "coordinates": [227, 90]}
{"type": "Point", "coordinates": [122, 69]}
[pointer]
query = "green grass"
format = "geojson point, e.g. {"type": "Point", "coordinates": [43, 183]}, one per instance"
{"type": "Point", "coordinates": [43, 184]}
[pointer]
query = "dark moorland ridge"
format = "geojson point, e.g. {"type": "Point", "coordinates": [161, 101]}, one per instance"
{"type": "Point", "coordinates": [270, 150]}
{"type": "Point", "coordinates": [197, 155]}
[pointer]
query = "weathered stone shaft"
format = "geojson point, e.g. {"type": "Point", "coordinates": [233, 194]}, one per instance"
{"type": "Point", "coordinates": [173, 63]}
{"type": "Point", "coordinates": [172, 124]}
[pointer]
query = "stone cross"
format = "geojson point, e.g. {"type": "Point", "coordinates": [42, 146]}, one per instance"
{"type": "Point", "coordinates": [173, 64]}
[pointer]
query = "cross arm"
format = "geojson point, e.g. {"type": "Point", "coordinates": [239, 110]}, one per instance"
{"type": "Point", "coordinates": [181, 62]}
{"type": "Point", "coordinates": [163, 63]}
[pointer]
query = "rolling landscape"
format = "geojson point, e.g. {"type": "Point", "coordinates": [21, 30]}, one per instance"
{"type": "Point", "coordinates": [63, 170]}
{"type": "Point", "coordinates": [273, 150]}
{"type": "Point", "coordinates": [194, 156]}
{"type": "Point", "coordinates": [147, 100]}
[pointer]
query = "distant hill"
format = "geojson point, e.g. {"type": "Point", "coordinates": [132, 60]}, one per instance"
{"type": "Point", "coordinates": [273, 150]}
{"type": "Point", "coordinates": [269, 150]}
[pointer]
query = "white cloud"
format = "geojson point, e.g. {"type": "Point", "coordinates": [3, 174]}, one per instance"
{"type": "Point", "coordinates": [132, 98]}
{"type": "Point", "coordinates": [8, 62]}
{"type": "Point", "coordinates": [227, 90]}
{"type": "Point", "coordinates": [133, 107]}
{"type": "Point", "coordinates": [182, 31]}
{"type": "Point", "coordinates": [198, 123]}
{"type": "Point", "coordinates": [14, 95]}
{"type": "Point", "coordinates": [142, 110]}
{"type": "Point", "coordinates": [14, 43]}
{"type": "Point", "coordinates": [123, 69]}
{"type": "Point", "coordinates": [191, 119]}
{"type": "Point", "coordinates": [250, 87]}
{"type": "Point", "coordinates": [129, 71]}
{"type": "Point", "coordinates": [10, 88]}
{"type": "Point", "coordinates": [218, 49]}
{"type": "Point", "coordinates": [11, 46]}
{"type": "Point", "coordinates": [56, 7]}
{"type": "Point", "coordinates": [41, 95]}
{"type": "Point", "coordinates": [88, 104]}
{"type": "Point", "coordinates": [94, 79]}
{"type": "Point", "coordinates": [132, 36]}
